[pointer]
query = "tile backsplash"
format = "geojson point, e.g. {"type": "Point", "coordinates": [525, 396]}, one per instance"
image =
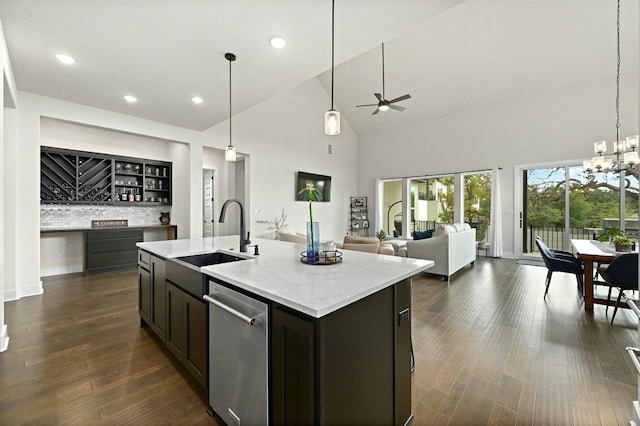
{"type": "Point", "coordinates": [80, 216]}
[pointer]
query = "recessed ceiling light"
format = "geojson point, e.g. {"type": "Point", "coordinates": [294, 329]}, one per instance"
{"type": "Point", "coordinates": [278, 42]}
{"type": "Point", "coordinates": [130, 98]}
{"type": "Point", "coordinates": [65, 59]}
{"type": "Point", "coordinates": [197, 100]}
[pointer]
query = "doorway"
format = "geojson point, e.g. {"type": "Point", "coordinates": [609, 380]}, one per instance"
{"type": "Point", "coordinates": [208, 177]}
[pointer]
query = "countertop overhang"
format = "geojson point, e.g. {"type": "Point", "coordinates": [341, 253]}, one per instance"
{"type": "Point", "coordinates": [278, 274]}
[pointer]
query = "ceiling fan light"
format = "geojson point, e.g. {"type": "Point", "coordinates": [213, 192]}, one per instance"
{"type": "Point", "coordinates": [383, 107]}
{"type": "Point", "coordinates": [332, 122]}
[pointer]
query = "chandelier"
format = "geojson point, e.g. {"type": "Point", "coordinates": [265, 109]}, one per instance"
{"type": "Point", "coordinates": [625, 152]}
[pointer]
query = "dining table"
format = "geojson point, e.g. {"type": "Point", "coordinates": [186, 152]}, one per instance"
{"type": "Point", "coordinates": [593, 252]}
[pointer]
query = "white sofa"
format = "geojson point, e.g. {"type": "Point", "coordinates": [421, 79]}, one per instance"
{"type": "Point", "coordinates": [452, 247]}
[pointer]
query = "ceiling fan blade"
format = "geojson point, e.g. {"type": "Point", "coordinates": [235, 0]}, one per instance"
{"type": "Point", "coordinates": [375, 105]}
{"type": "Point", "coordinates": [397, 107]}
{"type": "Point", "coordinates": [376, 111]}
{"type": "Point", "coordinates": [379, 96]}
{"type": "Point", "coordinates": [401, 98]}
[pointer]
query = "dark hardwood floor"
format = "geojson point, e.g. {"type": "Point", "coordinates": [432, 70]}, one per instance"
{"type": "Point", "coordinates": [488, 348]}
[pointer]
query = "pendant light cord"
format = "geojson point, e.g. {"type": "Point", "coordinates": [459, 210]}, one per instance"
{"type": "Point", "coordinates": [333, 17]}
{"type": "Point", "coordinates": [230, 102]}
{"type": "Point", "coordinates": [618, 80]}
{"type": "Point", "coordinates": [230, 57]}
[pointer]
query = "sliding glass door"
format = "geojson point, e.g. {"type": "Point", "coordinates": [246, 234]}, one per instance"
{"type": "Point", "coordinates": [563, 203]}
{"type": "Point", "coordinates": [426, 202]}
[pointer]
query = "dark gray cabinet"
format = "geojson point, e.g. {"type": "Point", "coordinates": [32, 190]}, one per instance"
{"type": "Point", "coordinates": [158, 316]}
{"type": "Point", "coordinates": [187, 331]}
{"type": "Point", "coordinates": [113, 249]}
{"type": "Point", "coordinates": [144, 295]}
{"type": "Point", "coordinates": [320, 366]}
{"type": "Point", "coordinates": [152, 295]}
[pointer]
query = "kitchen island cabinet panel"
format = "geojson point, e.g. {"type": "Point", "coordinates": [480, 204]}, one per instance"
{"type": "Point", "coordinates": [348, 355]}
{"type": "Point", "coordinates": [293, 368]}
{"type": "Point", "coordinates": [197, 338]}
{"type": "Point", "coordinates": [144, 295]}
{"type": "Point", "coordinates": [188, 331]}
{"type": "Point", "coordinates": [158, 307]}
{"type": "Point", "coordinates": [176, 332]}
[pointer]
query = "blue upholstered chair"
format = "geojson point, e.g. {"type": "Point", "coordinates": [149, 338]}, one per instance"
{"type": "Point", "coordinates": [560, 261]}
{"type": "Point", "coordinates": [621, 273]}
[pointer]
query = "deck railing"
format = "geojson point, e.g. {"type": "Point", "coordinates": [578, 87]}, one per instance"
{"type": "Point", "coordinates": [553, 236]}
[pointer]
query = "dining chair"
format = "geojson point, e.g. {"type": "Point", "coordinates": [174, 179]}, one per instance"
{"type": "Point", "coordinates": [621, 273]}
{"type": "Point", "coordinates": [560, 261]}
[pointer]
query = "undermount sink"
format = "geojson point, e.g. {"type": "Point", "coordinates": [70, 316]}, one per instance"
{"type": "Point", "coordinates": [184, 271]}
{"type": "Point", "coordinates": [207, 259]}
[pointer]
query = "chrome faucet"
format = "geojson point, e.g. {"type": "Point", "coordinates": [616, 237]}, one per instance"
{"type": "Point", "coordinates": [243, 241]}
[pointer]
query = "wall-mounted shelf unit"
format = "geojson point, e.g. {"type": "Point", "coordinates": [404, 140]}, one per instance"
{"type": "Point", "coordinates": [77, 177]}
{"type": "Point", "coordinates": [359, 216]}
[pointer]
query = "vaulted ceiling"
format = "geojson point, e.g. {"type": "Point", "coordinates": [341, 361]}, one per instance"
{"type": "Point", "coordinates": [450, 55]}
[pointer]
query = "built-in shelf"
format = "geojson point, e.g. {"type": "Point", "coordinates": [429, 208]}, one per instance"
{"type": "Point", "coordinates": [78, 177]}
{"type": "Point", "coordinates": [359, 220]}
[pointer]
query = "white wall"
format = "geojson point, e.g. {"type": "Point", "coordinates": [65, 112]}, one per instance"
{"type": "Point", "coordinates": [283, 135]}
{"type": "Point", "coordinates": [555, 126]}
{"type": "Point", "coordinates": [275, 145]}
{"type": "Point", "coordinates": [22, 177]}
{"type": "Point", "coordinates": [9, 100]}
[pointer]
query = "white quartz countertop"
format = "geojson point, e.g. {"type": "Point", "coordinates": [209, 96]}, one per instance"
{"type": "Point", "coordinates": [278, 274]}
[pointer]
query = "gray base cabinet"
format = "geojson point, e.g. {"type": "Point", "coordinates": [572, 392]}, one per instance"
{"type": "Point", "coordinates": [109, 250]}
{"type": "Point", "coordinates": [144, 295]}
{"type": "Point", "coordinates": [152, 292]}
{"type": "Point", "coordinates": [187, 331]}
{"type": "Point", "coordinates": [158, 316]}
{"type": "Point", "coordinates": [349, 367]}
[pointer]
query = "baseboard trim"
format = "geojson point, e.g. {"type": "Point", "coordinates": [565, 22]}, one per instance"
{"type": "Point", "coordinates": [26, 291]}
{"type": "Point", "coordinates": [4, 339]}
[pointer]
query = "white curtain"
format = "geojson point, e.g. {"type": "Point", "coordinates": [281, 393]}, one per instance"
{"type": "Point", "coordinates": [495, 229]}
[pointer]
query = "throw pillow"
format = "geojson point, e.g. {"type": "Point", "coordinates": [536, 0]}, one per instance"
{"type": "Point", "coordinates": [417, 235]}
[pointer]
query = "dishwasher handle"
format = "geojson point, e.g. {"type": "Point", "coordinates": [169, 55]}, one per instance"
{"type": "Point", "coordinates": [235, 313]}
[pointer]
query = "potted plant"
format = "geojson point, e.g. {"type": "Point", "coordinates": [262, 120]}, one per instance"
{"type": "Point", "coordinates": [622, 243]}
{"type": "Point", "coordinates": [313, 229]}
{"type": "Point", "coordinates": [279, 223]}
{"type": "Point", "coordinates": [381, 235]}
{"type": "Point", "coordinates": [607, 237]}
{"type": "Point", "coordinates": [481, 232]}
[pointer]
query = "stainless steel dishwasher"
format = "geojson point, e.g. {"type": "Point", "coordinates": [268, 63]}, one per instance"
{"type": "Point", "coordinates": [238, 359]}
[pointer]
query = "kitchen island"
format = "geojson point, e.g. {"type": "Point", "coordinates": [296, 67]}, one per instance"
{"type": "Point", "coordinates": [338, 335]}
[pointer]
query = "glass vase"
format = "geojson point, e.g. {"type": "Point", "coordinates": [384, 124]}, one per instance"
{"type": "Point", "coordinates": [313, 242]}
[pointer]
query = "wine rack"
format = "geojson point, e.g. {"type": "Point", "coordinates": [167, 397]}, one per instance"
{"type": "Point", "coordinates": [77, 177]}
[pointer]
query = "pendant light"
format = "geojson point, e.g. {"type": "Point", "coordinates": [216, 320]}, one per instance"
{"type": "Point", "coordinates": [230, 153]}
{"type": "Point", "coordinates": [332, 117]}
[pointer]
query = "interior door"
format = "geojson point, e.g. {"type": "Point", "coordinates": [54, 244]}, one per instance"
{"type": "Point", "coordinates": [207, 204]}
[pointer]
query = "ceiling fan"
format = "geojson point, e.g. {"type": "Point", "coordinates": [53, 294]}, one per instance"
{"type": "Point", "coordinates": [383, 104]}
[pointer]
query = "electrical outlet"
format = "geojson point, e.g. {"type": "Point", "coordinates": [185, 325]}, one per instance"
{"type": "Point", "coordinates": [403, 316]}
